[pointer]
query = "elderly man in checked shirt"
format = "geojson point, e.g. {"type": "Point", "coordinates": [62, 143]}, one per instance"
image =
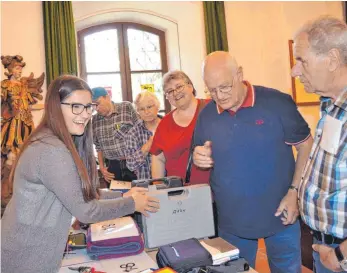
{"type": "Point", "coordinates": [320, 50]}
{"type": "Point", "coordinates": [111, 124]}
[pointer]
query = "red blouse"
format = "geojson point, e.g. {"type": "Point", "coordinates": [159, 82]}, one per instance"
{"type": "Point", "coordinates": [174, 141]}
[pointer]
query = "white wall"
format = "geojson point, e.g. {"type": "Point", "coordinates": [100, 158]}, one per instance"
{"type": "Point", "coordinates": [22, 34]}
{"type": "Point", "coordinates": [182, 22]}
{"type": "Point", "coordinates": [258, 34]}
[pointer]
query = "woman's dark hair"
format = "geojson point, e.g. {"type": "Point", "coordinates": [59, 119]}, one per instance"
{"type": "Point", "coordinates": [80, 147]}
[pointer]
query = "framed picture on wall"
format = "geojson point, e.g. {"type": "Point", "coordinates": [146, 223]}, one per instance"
{"type": "Point", "coordinates": [300, 96]}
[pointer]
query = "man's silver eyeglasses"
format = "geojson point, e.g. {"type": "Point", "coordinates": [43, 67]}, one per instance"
{"type": "Point", "coordinates": [224, 89]}
{"type": "Point", "coordinates": [78, 108]}
{"type": "Point", "coordinates": [179, 88]}
{"type": "Point", "coordinates": [144, 109]}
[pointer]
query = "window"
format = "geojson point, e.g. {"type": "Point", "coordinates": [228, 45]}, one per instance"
{"type": "Point", "coordinates": [125, 58]}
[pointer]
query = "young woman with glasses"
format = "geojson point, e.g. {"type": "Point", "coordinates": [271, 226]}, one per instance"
{"type": "Point", "coordinates": [54, 178]}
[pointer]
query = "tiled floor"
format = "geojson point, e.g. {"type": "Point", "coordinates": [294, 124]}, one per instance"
{"type": "Point", "coordinates": [262, 265]}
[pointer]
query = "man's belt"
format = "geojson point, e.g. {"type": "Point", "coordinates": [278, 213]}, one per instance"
{"type": "Point", "coordinates": [326, 238]}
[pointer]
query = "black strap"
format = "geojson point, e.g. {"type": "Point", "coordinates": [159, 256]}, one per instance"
{"type": "Point", "coordinates": [339, 254]}
{"type": "Point", "coordinates": [190, 160]}
{"type": "Point", "coordinates": [327, 238]}
{"type": "Point", "coordinates": [192, 146]}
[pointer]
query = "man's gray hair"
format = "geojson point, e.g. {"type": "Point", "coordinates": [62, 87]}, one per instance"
{"type": "Point", "coordinates": [149, 95]}
{"type": "Point", "coordinates": [326, 33]}
{"type": "Point", "coordinates": [177, 75]}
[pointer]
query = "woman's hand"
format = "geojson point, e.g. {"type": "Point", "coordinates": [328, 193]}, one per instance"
{"type": "Point", "coordinates": [76, 225]}
{"type": "Point", "coordinates": [143, 202]}
{"type": "Point", "coordinates": [134, 190]}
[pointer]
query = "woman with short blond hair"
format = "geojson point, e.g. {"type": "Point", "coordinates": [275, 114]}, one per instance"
{"type": "Point", "coordinates": [171, 143]}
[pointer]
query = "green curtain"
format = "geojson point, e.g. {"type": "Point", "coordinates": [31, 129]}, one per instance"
{"type": "Point", "coordinates": [215, 26]}
{"type": "Point", "coordinates": [60, 39]}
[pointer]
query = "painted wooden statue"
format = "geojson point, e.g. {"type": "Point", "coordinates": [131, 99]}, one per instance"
{"type": "Point", "coordinates": [17, 95]}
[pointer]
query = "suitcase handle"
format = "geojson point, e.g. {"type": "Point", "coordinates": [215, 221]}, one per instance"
{"type": "Point", "coordinates": [167, 182]}
{"type": "Point", "coordinates": [175, 194]}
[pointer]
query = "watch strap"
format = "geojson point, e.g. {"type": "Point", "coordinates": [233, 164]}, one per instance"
{"type": "Point", "coordinates": [339, 254]}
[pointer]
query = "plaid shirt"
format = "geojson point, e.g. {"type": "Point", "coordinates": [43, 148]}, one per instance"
{"type": "Point", "coordinates": [323, 189]}
{"type": "Point", "coordinates": [109, 132]}
{"type": "Point", "coordinates": [136, 161]}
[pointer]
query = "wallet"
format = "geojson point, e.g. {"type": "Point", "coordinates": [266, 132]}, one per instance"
{"type": "Point", "coordinates": [77, 241]}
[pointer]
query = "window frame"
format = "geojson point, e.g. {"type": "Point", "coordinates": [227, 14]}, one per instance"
{"type": "Point", "coordinates": [124, 60]}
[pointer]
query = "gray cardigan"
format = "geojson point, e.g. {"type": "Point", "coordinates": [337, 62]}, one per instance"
{"type": "Point", "coordinates": [47, 192]}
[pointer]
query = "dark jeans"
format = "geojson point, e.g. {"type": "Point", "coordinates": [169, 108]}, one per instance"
{"type": "Point", "coordinates": [120, 170]}
{"type": "Point", "coordinates": [283, 249]}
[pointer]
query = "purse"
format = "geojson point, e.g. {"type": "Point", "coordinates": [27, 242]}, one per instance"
{"type": "Point", "coordinates": [182, 256]}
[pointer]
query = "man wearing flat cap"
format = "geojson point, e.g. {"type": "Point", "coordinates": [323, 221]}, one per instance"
{"type": "Point", "coordinates": [110, 126]}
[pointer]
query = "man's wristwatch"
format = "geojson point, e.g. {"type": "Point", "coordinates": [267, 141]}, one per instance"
{"type": "Point", "coordinates": [342, 260]}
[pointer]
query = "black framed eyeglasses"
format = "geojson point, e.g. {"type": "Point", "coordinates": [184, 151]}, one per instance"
{"type": "Point", "coordinates": [78, 108]}
{"type": "Point", "coordinates": [179, 89]}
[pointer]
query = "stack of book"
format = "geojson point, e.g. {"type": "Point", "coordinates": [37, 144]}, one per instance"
{"type": "Point", "coordinates": [221, 251]}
